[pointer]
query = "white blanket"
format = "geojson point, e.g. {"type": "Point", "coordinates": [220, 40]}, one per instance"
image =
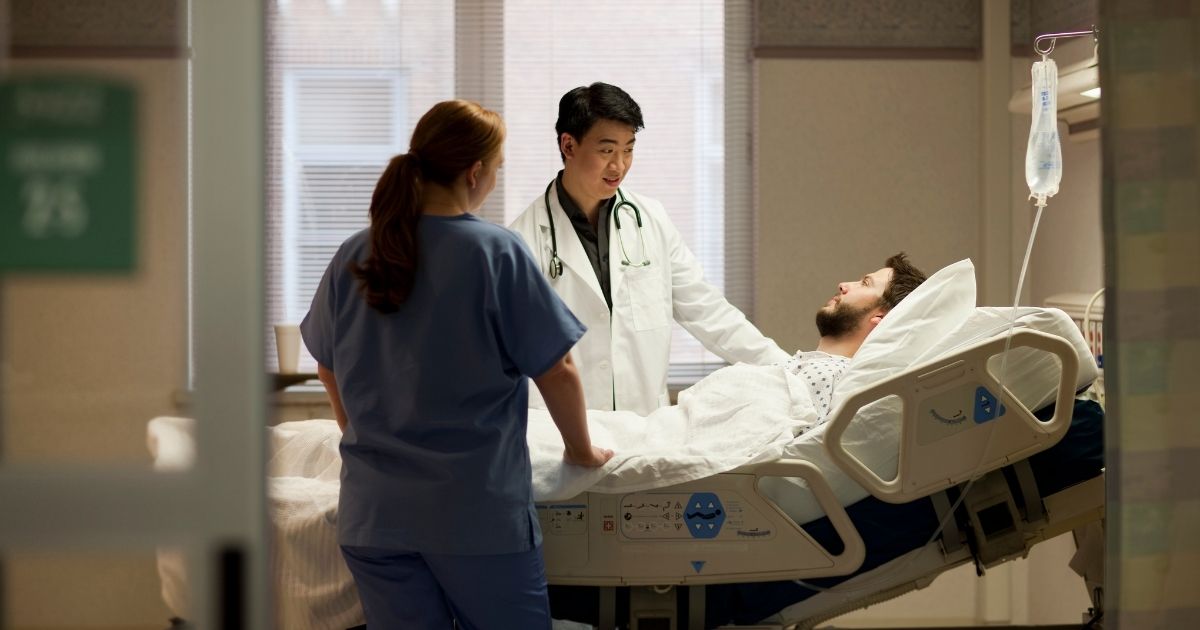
{"type": "Point", "coordinates": [739, 415]}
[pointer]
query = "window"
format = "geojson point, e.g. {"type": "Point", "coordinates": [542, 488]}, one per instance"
{"type": "Point", "coordinates": [338, 128]}
{"type": "Point", "coordinates": [349, 79]}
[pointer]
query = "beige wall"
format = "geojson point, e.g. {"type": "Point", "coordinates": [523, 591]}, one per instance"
{"type": "Point", "coordinates": [87, 360]}
{"type": "Point", "coordinates": [860, 158]}
{"type": "Point", "coordinates": [856, 161]}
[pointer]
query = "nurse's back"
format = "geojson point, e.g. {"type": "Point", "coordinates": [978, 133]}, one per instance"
{"type": "Point", "coordinates": [434, 392]}
{"type": "Point", "coordinates": [426, 329]}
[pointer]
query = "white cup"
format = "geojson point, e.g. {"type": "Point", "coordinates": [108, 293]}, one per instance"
{"type": "Point", "coordinates": [287, 343]}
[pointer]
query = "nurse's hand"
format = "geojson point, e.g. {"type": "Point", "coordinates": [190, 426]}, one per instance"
{"type": "Point", "coordinates": [593, 458]}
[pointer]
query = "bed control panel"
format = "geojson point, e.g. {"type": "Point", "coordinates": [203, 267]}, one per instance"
{"type": "Point", "coordinates": [708, 531]}
{"type": "Point", "coordinates": [690, 516]}
{"type": "Point", "coordinates": [956, 410]}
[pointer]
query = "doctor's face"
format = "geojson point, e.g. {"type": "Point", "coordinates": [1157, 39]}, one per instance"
{"type": "Point", "coordinates": [597, 163]}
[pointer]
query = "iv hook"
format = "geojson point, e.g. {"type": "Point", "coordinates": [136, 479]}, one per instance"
{"type": "Point", "coordinates": [1053, 39]}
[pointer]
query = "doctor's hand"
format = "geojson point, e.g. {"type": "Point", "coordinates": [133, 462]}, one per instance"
{"type": "Point", "coordinates": [594, 457]}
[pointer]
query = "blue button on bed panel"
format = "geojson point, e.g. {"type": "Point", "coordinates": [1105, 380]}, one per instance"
{"type": "Point", "coordinates": [985, 406]}
{"type": "Point", "coordinates": [704, 515]}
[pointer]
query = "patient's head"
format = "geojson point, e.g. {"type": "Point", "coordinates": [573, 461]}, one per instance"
{"type": "Point", "coordinates": [860, 305]}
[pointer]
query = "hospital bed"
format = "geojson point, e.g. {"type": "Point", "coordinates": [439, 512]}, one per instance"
{"type": "Point", "coordinates": [1038, 476]}
{"type": "Point", "coordinates": [870, 486]}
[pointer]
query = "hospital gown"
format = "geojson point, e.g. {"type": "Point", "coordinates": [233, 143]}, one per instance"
{"type": "Point", "coordinates": [821, 372]}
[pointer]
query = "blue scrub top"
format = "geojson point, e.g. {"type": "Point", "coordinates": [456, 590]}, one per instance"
{"type": "Point", "coordinates": [435, 457]}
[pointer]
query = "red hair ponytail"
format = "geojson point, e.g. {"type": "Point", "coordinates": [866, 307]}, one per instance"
{"type": "Point", "coordinates": [450, 138]}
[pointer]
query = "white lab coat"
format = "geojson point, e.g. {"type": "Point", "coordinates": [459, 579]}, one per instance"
{"type": "Point", "coordinates": [623, 358]}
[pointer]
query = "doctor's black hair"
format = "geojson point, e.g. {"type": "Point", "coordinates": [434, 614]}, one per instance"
{"type": "Point", "coordinates": [582, 107]}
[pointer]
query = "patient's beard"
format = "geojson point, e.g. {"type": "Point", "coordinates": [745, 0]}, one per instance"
{"type": "Point", "coordinates": [841, 320]}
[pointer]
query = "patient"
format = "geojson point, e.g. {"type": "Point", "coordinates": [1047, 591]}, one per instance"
{"type": "Point", "coordinates": [767, 404]}
{"type": "Point", "coordinates": [846, 320]}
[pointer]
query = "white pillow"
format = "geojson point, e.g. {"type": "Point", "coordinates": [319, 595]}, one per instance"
{"type": "Point", "coordinates": [927, 316]}
{"type": "Point", "coordinates": [1035, 384]}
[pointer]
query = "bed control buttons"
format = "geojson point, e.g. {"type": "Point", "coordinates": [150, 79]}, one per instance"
{"type": "Point", "coordinates": [691, 516]}
{"type": "Point", "coordinates": [953, 411]}
{"type": "Point", "coordinates": [985, 406]}
{"type": "Point", "coordinates": [704, 515]}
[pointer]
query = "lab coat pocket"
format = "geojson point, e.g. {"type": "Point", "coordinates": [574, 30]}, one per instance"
{"type": "Point", "coordinates": [647, 298]}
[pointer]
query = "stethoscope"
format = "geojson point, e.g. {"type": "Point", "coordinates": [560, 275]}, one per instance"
{"type": "Point", "coordinates": [556, 266]}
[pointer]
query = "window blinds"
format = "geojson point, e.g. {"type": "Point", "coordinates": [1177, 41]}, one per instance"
{"type": "Point", "coordinates": [348, 79]}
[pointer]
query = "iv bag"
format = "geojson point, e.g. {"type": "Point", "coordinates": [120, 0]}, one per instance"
{"type": "Point", "coordinates": [1043, 156]}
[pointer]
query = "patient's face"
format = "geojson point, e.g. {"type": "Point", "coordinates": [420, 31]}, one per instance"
{"type": "Point", "coordinates": [854, 302]}
{"type": "Point", "coordinates": [862, 293]}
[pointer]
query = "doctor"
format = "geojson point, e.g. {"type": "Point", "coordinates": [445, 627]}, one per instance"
{"type": "Point", "coordinates": [620, 265]}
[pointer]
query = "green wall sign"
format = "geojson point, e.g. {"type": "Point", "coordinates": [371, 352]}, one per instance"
{"type": "Point", "coordinates": [68, 192]}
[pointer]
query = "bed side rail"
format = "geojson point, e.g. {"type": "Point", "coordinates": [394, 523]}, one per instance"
{"type": "Point", "coordinates": [713, 530]}
{"type": "Point", "coordinates": [952, 428]}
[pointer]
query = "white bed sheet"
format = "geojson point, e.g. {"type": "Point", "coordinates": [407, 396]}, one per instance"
{"type": "Point", "coordinates": [739, 415]}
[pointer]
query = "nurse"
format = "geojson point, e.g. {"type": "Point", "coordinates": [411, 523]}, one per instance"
{"type": "Point", "coordinates": [619, 263]}
{"type": "Point", "coordinates": [426, 328]}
